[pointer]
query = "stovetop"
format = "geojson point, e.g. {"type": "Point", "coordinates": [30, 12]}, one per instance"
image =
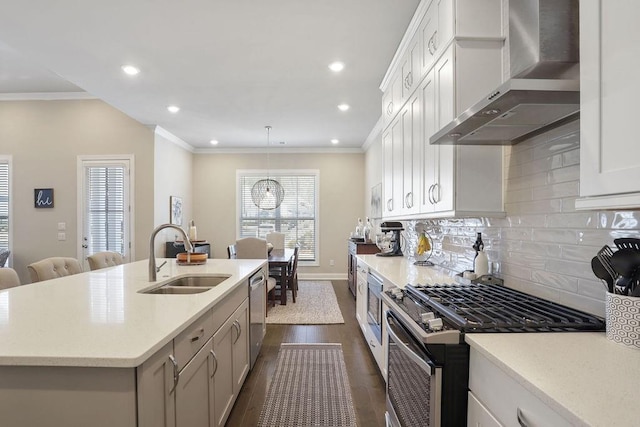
{"type": "Point", "coordinates": [481, 307]}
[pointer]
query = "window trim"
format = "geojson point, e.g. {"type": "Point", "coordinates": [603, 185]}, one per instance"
{"type": "Point", "coordinates": [275, 172]}
{"type": "Point", "coordinates": [8, 159]}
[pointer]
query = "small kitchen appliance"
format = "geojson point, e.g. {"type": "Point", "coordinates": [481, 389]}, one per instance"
{"type": "Point", "coordinates": [428, 359]}
{"type": "Point", "coordinates": [389, 239]}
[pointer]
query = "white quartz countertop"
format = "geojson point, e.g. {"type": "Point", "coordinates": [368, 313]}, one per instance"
{"type": "Point", "coordinates": [583, 376]}
{"type": "Point", "coordinates": [400, 271]}
{"type": "Point", "coordinates": [100, 319]}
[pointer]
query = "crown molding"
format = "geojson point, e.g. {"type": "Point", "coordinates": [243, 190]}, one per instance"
{"type": "Point", "coordinates": [316, 150]}
{"type": "Point", "coordinates": [375, 132]}
{"type": "Point", "coordinates": [46, 96]}
{"type": "Point", "coordinates": [160, 131]}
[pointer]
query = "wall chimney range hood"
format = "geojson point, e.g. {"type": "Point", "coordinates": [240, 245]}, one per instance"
{"type": "Point", "coordinates": [544, 89]}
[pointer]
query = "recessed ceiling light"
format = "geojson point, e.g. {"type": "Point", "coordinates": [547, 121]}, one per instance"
{"type": "Point", "coordinates": [335, 141]}
{"type": "Point", "coordinates": [343, 107]}
{"type": "Point", "coordinates": [214, 142]}
{"type": "Point", "coordinates": [336, 67]}
{"type": "Point", "coordinates": [130, 70]}
{"type": "Point", "coordinates": [173, 109]}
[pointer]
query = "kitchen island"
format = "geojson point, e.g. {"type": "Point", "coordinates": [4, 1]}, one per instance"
{"type": "Point", "coordinates": [76, 350]}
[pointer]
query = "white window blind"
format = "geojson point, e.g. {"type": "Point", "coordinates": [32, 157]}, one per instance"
{"type": "Point", "coordinates": [4, 205]}
{"type": "Point", "coordinates": [106, 213]}
{"type": "Point", "coordinates": [296, 217]}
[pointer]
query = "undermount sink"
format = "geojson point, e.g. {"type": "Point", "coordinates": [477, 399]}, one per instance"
{"type": "Point", "coordinates": [188, 285]}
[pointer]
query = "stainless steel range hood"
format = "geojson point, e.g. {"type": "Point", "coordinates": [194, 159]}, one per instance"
{"type": "Point", "coordinates": [544, 89]}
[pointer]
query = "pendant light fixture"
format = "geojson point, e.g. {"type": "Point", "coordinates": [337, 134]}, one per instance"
{"type": "Point", "coordinates": [267, 194]}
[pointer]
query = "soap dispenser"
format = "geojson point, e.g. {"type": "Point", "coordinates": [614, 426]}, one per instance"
{"type": "Point", "coordinates": [481, 262]}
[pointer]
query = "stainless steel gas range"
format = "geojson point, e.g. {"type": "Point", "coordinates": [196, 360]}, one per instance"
{"type": "Point", "coordinates": [428, 360]}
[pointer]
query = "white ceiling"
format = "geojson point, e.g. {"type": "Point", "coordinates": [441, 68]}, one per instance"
{"type": "Point", "coordinates": [232, 66]}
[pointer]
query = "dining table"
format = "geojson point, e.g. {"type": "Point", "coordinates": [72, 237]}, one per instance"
{"type": "Point", "coordinates": [279, 259]}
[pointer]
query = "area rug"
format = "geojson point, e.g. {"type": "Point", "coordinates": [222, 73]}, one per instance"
{"type": "Point", "coordinates": [310, 387]}
{"type": "Point", "coordinates": [316, 304]}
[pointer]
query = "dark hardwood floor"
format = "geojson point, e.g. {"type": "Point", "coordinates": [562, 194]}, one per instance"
{"type": "Point", "coordinates": [367, 384]}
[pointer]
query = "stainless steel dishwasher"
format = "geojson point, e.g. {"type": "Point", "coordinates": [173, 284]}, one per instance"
{"type": "Point", "coordinates": [257, 311]}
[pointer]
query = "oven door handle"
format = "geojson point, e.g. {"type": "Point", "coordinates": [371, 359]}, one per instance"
{"type": "Point", "coordinates": [427, 367]}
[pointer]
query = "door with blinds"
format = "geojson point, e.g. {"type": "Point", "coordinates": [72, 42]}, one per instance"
{"type": "Point", "coordinates": [106, 213]}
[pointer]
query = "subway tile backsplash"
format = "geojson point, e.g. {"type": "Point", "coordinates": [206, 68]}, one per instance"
{"type": "Point", "coordinates": [543, 246]}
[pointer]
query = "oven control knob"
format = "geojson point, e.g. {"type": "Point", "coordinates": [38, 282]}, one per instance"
{"type": "Point", "coordinates": [435, 324]}
{"type": "Point", "coordinates": [397, 293]}
{"type": "Point", "coordinates": [425, 317]}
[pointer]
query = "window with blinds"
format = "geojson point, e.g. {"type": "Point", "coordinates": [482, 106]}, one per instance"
{"type": "Point", "coordinates": [4, 204]}
{"type": "Point", "coordinates": [296, 217]}
{"type": "Point", "coordinates": [106, 208]}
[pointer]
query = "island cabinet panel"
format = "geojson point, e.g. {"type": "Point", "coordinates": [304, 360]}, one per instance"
{"type": "Point", "coordinates": [195, 390]}
{"type": "Point", "coordinates": [156, 401]}
{"type": "Point", "coordinates": [69, 397]}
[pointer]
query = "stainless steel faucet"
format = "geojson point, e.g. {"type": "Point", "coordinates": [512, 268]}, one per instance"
{"type": "Point", "coordinates": [152, 253]}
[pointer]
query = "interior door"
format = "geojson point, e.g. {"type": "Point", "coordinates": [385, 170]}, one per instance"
{"type": "Point", "coordinates": [105, 214]}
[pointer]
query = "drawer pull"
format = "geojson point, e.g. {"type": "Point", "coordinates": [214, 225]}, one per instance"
{"type": "Point", "coordinates": [521, 419]}
{"type": "Point", "coordinates": [372, 344]}
{"type": "Point", "coordinates": [197, 337]}
{"type": "Point", "coordinates": [236, 325]}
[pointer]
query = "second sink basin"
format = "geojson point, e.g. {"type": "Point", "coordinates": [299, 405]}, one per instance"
{"type": "Point", "coordinates": [198, 281]}
{"type": "Point", "coordinates": [188, 285]}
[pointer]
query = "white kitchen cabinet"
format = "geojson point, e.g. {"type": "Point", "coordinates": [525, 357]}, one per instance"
{"type": "Point", "coordinates": [195, 388]}
{"type": "Point", "coordinates": [392, 99]}
{"type": "Point", "coordinates": [459, 180]}
{"type": "Point", "coordinates": [231, 348]}
{"type": "Point", "coordinates": [361, 295]}
{"type": "Point", "coordinates": [412, 153]}
{"type": "Point", "coordinates": [411, 69]}
{"type": "Point", "coordinates": [157, 378]}
{"type": "Point", "coordinates": [392, 167]}
{"type": "Point", "coordinates": [478, 415]}
{"type": "Point", "coordinates": [609, 88]}
{"type": "Point", "coordinates": [507, 401]}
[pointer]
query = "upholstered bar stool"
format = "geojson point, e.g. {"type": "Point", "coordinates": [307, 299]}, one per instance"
{"type": "Point", "coordinates": [104, 259]}
{"type": "Point", "coordinates": [8, 278]}
{"type": "Point", "coordinates": [52, 268]}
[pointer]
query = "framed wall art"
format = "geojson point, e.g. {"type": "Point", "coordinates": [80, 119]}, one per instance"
{"type": "Point", "coordinates": [175, 213]}
{"type": "Point", "coordinates": [43, 198]}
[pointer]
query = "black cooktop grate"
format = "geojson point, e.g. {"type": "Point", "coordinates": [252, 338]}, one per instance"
{"type": "Point", "coordinates": [494, 308]}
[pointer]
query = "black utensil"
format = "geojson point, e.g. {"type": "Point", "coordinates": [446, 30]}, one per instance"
{"type": "Point", "coordinates": [625, 262]}
{"type": "Point", "coordinates": [601, 273]}
{"type": "Point", "coordinates": [604, 255]}
{"type": "Point", "coordinates": [627, 243]}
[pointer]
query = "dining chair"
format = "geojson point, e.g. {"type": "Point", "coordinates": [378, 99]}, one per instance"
{"type": "Point", "coordinates": [290, 281]}
{"type": "Point", "coordinates": [52, 268]}
{"type": "Point", "coordinates": [231, 251]}
{"type": "Point", "coordinates": [4, 256]}
{"type": "Point", "coordinates": [255, 248]}
{"type": "Point", "coordinates": [104, 259]}
{"type": "Point", "coordinates": [276, 239]}
{"type": "Point", "coordinates": [8, 278]}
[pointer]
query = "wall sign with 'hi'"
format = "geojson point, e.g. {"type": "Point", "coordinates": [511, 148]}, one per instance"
{"type": "Point", "coordinates": [43, 198]}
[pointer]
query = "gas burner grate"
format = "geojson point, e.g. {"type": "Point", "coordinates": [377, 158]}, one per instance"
{"type": "Point", "coordinates": [491, 308]}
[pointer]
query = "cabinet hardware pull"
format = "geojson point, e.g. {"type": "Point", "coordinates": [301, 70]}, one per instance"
{"type": "Point", "coordinates": [176, 375]}
{"type": "Point", "coordinates": [521, 419]}
{"type": "Point", "coordinates": [390, 108]}
{"type": "Point", "coordinates": [236, 325]}
{"type": "Point", "coordinates": [390, 205]}
{"type": "Point", "coordinates": [215, 363]}
{"type": "Point", "coordinates": [436, 193]}
{"type": "Point", "coordinates": [410, 78]}
{"type": "Point", "coordinates": [372, 344]}
{"type": "Point", "coordinates": [430, 194]}
{"type": "Point", "coordinates": [434, 37]}
{"type": "Point", "coordinates": [197, 337]}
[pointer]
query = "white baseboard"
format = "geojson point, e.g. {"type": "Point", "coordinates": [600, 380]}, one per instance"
{"type": "Point", "coordinates": [322, 276]}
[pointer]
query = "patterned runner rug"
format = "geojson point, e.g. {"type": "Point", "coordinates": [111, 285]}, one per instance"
{"type": "Point", "coordinates": [309, 388]}
{"type": "Point", "coordinates": [316, 304]}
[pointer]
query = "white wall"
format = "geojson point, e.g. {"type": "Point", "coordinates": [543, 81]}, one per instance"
{"type": "Point", "coordinates": [543, 247]}
{"type": "Point", "coordinates": [45, 138]}
{"type": "Point", "coordinates": [341, 200]}
{"type": "Point", "coordinates": [173, 176]}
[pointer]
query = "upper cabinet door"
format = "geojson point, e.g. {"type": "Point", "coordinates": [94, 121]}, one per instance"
{"type": "Point", "coordinates": [610, 88]}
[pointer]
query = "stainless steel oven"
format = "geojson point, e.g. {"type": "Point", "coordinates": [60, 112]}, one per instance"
{"type": "Point", "coordinates": [414, 381]}
{"type": "Point", "coordinates": [374, 305]}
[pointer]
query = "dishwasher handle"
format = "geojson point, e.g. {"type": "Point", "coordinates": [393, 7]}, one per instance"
{"type": "Point", "coordinates": [256, 281]}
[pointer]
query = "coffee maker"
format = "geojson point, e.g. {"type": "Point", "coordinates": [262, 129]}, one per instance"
{"type": "Point", "coordinates": [389, 240]}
